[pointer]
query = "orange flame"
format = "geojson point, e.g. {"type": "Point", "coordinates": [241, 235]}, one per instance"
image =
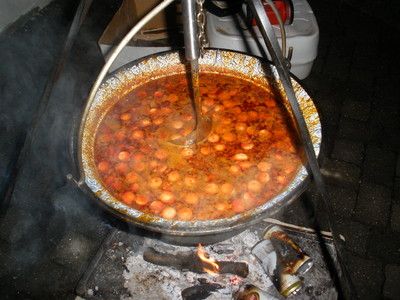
{"type": "Point", "coordinates": [211, 261]}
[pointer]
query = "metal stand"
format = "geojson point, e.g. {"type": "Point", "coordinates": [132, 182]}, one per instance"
{"type": "Point", "coordinates": [345, 286]}
{"type": "Point", "coordinates": [282, 66]}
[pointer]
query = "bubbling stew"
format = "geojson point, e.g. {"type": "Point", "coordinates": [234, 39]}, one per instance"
{"type": "Point", "coordinates": [251, 154]}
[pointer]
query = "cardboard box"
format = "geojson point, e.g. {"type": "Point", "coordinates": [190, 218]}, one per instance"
{"type": "Point", "coordinates": [163, 32]}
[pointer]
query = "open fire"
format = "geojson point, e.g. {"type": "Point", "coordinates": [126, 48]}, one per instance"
{"type": "Point", "coordinates": [189, 272]}
{"type": "Point", "coordinates": [197, 263]}
{"type": "Point", "coordinates": [152, 269]}
{"type": "Point", "coordinates": [211, 261]}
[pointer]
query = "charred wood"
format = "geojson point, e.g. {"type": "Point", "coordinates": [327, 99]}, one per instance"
{"type": "Point", "coordinates": [189, 261]}
{"type": "Point", "coordinates": [199, 292]}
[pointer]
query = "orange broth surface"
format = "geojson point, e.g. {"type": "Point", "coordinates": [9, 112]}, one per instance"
{"type": "Point", "coordinates": [249, 157]}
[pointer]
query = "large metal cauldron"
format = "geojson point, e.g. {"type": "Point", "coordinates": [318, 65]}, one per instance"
{"type": "Point", "coordinates": [217, 61]}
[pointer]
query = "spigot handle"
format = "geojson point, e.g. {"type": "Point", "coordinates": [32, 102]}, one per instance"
{"type": "Point", "coordinates": [190, 30]}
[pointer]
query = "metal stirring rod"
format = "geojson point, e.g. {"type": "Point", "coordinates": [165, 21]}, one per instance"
{"type": "Point", "coordinates": [190, 35]}
{"type": "Point", "coordinates": [192, 54]}
{"type": "Point", "coordinates": [194, 70]}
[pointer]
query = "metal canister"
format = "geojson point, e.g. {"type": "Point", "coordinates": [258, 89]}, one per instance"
{"type": "Point", "coordinates": [275, 266]}
{"type": "Point", "coordinates": [295, 258]}
{"type": "Point", "coordinates": [251, 292]}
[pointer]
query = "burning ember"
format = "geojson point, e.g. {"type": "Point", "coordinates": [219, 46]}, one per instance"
{"type": "Point", "coordinates": [189, 261]}
{"type": "Point", "coordinates": [210, 261]}
{"type": "Point", "coordinates": [184, 272]}
{"type": "Point", "coordinates": [167, 272]}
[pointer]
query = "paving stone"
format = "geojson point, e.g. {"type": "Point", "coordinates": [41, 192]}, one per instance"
{"type": "Point", "coordinates": [395, 220]}
{"type": "Point", "coordinates": [73, 251]}
{"type": "Point", "coordinates": [81, 214]}
{"type": "Point", "coordinates": [353, 130]}
{"type": "Point", "coordinates": [379, 166]}
{"type": "Point", "coordinates": [367, 276]}
{"type": "Point", "coordinates": [29, 237]}
{"type": "Point", "coordinates": [328, 104]}
{"type": "Point", "coordinates": [361, 74]}
{"type": "Point", "coordinates": [342, 87]}
{"type": "Point", "coordinates": [5, 254]}
{"type": "Point", "coordinates": [313, 84]}
{"type": "Point", "coordinates": [373, 204]}
{"type": "Point", "coordinates": [390, 40]}
{"type": "Point", "coordinates": [385, 124]}
{"type": "Point", "coordinates": [348, 151]}
{"type": "Point", "coordinates": [358, 23]}
{"type": "Point", "coordinates": [328, 13]}
{"type": "Point", "coordinates": [357, 110]}
{"type": "Point", "coordinates": [356, 235]}
{"type": "Point", "coordinates": [364, 55]}
{"type": "Point", "coordinates": [338, 63]}
{"type": "Point", "coordinates": [340, 173]}
{"type": "Point", "coordinates": [35, 190]}
{"type": "Point", "coordinates": [337, 93]}
{"type": "Point", "coordinates": [335, 66]}
{"type": "Point", "coordinates": [385, 139]}
{"type": "Point", "coordinates": [386, 87]}
{"type": "Point", "coordinates": [343, 200]}
{"type": "Point", "coordinates": [357, 91]}
{"type": "Point", "coordinates": [385, 112]}
{"type": "Point", "coordinates": [398, 165]}
{"type": "Point", "coordinates": [39, 281]}
{"type": "Point", "coordinates": [15, 225]}
{"type": "Point", "coordinates": [384, 245]}
{"type": "Point", "coordinates": [335, 217]}
{"type": "Point", "coordinates": [329, 111]}
{"type": "Point", "coordinates": [396, 190]}
{"type": "Point", "coordinates": [391, 288]}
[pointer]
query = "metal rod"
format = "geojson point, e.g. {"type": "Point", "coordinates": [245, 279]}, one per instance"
{"type": "Point", "coordinates": [281, 25]}
{"type": "Point", "coordinates": [281, 65]}
{"type": "Point", "coordinates": [192, 47]}
{"type": "Point", "coordinates": [81, 288]}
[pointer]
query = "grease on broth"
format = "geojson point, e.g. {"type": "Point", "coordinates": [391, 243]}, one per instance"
{"type": "Point", "coordinates": [251, 154]}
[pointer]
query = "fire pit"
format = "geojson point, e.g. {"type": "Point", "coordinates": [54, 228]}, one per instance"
{"type": "Point", "coordinates": [120, 271]}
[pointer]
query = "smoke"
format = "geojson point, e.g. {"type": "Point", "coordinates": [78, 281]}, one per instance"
{"type": "Point", "coordinates": [43, 209]}
{"type": "Point", "coordinates": [27, 55]}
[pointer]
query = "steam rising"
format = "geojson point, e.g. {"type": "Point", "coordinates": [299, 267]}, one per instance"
{"type": "Point", "coordinates": [44, 215]}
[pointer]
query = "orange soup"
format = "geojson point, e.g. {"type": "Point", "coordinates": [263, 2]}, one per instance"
{"type": "Point", "coordinates": [248, 158]}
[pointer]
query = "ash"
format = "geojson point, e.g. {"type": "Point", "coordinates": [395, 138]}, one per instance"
{"type": "Point", "coordinates": [145, 280]}
{"type": "Point", "coordinates": [120, 272]}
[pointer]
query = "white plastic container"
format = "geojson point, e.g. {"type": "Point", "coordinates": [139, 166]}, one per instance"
{"type": "Point", "coordinates": [302, 35]}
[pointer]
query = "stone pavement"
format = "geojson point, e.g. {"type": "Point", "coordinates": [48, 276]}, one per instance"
{"type": "Point", "coordinates": [354, 83]}
{"type": "Point", "coordinates": [49, 231]}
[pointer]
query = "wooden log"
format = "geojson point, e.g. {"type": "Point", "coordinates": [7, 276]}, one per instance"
{"type": "Point", "coordinates": [189, 261]}
{"type": "Point", "coordinates": [199, 292]}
